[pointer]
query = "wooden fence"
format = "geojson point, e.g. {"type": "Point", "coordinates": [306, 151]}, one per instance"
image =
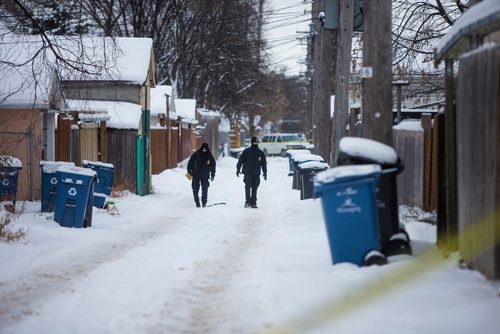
{"type": "Point", "coordinates": [416, 144]}
{"type": "Point", "coordinates": [122, 153]}
{"type": "Point", "coordinates": [478, 160]}
{"type": "Point", "coordinates": [159, 149]}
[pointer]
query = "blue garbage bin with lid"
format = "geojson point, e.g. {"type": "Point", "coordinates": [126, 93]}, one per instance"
{"type": "Point", "coordinates": [290, 153]}
{"type": "Point", "coordinates": [348, 196]}
{"type": "Point", "coordinates": [307, 173]}
{"type": "Point", "coordinates": [74, 196]}
{"type": "Point", "coordinates": [301, 158]}
{"type": "Point", "coordinates": [9, 174]}
{"type": "Point", "coordinates": [104, 183]}
{"type": "Point", "coordinates": [50, 180]}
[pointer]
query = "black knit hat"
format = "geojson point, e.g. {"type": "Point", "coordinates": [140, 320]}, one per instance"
{"type": "Point", "coordinates": [204, 146]}
{"type": "Point", "coordinates": [254, 140]}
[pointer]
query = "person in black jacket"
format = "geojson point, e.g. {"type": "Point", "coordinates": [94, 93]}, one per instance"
{"type": "Point", "coordinates": [253, 160]}
{"type": "Point", "coordinates": [201, 166]}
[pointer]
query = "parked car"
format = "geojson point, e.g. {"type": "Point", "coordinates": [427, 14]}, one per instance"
{"type": "Point", "coordinates": [279, 143]}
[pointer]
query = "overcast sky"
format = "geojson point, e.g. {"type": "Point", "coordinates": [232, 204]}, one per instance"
{"type": "Point", "coordinates": [285, 20]}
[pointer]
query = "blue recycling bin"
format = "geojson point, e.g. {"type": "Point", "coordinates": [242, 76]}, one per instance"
{"type": "Point", "coordinates": [348, 196]}
{"type": "Point", "coordinates": [290, 154]}
{"type": "Point", "coordinates": [104, 184]}
{"type": "Point", "coordinates": [9, 174]}
{"type": "Point", "coordinates": [50, 180]}
{"type": "Point", "coordinates": [74, 197]}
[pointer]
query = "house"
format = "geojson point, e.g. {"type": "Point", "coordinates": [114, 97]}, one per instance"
{"type": "Point", "coordinates": [114, 70]}
{"type": "Point", "coordinates": [30, 95]}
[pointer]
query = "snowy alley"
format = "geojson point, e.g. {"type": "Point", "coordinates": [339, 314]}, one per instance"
{"type": "Point", "coordinates": [158, 264]}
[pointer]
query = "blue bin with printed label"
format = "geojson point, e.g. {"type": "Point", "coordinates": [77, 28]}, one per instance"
{"type": "Point", "coordinates": [9, 174]}
{"type": "Point", "coordinates": [50, 180]}
{"type": "Point", "coordinates": [348, 196]}
{"type": "Point", "coordinates": [74, 197]}
{"type": "Point", "coordinates": [104, 183]}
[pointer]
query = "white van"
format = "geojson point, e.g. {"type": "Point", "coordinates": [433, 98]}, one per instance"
{"type": "Point", "coordinates": [279, 143]}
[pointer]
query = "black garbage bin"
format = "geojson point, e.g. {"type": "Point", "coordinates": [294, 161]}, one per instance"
{"type": "Point", "coordinates": [360, 151]}
{"type": "Point", "coordinates": [297, 160]}
{"type": "Point", "coordinates": [307, 172]}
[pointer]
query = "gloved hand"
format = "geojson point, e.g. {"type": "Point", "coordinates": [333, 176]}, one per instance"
{"type": "Point", "coordinates": [238, 173]}
{"type": "Point", "coordinates": [265, 177]}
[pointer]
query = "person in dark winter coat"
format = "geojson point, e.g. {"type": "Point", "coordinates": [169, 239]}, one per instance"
{"type": "Point", "coordinates": [252, 160]}
{"type": "Point", "coordinates": [201, 166]}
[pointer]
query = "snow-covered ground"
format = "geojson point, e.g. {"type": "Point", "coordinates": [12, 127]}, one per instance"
{"type": "Point", "coordinates": [163, 266]}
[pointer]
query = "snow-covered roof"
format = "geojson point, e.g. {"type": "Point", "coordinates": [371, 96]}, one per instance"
{"type": "Point", "coordinates": [186, 109]}
{"type": "Point", "coordinates": [208, 112]}
{"type": "Point", "coordinates": [481, 19]}
{"type": "Point", "coordinates": [159, 101]}
{"type": "Point", "coordinates": [27, 80]}
{"type": "Point", "coordinates": [107, 59]}
{"type": "Point", "coordinates": [122, 115]}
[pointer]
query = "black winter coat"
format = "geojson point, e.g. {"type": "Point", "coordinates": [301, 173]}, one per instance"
{"type": "Point", "coordinates": [201, 165]}
{"type": "Point", "coordinates": [252, 159]}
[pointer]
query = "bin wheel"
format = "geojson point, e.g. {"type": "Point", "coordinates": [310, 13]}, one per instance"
{"type": "Point", "coordinates": [398, 244]}
{"type": "Point", "coordinates": [283, 153]}
{"type": "Point", "coordinates": [375, 258]}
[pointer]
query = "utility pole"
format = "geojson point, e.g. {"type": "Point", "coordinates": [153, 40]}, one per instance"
{"type": "Point", "coordinates": [340, 116]}
{"type": "Point", "coordinates": [324, 78]}
{"type": "Point", "coordinates": [377, 71]}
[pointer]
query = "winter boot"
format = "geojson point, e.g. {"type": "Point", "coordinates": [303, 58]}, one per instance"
{"type": "Point", "coordinates": [247, 205]}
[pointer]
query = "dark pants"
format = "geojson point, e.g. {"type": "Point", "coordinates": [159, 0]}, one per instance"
{"type": "Point", "coordinates": [252, 182]}
{"type": "Point", "coordinates": [195, 184]}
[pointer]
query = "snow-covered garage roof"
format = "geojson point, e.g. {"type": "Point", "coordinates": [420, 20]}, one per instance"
{"type": "Point", "coordinates": [107, 59]}
{"type": "Point", "coordinates": [186, 109]}
{"type": "Point", "coordinates": [481, 19]}
{"type": "Point", "coordinates": [122, 115]}
{"type": "Point", "coordinates": [27, 81]}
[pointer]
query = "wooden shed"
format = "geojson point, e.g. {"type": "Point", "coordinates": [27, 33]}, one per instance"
{"type": "Point", "coordinates": [125, 72]}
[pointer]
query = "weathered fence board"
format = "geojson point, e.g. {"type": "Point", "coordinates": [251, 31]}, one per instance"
{"type": "Point", "coordinates": [409, 146]}
{"type": "Point", "coordinates": [478, 155]}
{"type": "Point", "coordinates": [122, 153]}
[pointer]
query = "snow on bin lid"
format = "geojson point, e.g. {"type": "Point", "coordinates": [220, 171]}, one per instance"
{"type": "Point", "coordinates": [347, 171]}
{"type": "Point", "coordinates": [52, 166]}
{"type": "Point", "coordinates": [77, 170]}
{"type": "Point", "coordinates": [9, 161]}
{"type": "Point", "coordinates": [98, 163]}
{"type": "Point", "coordinates": [313, 165]}
{"type": "Point", "coordinates": [292, 152]}
{"type": "Point", "coordinates": [368, 149]}
{"type": "Point", "coordinates": [307, 157]}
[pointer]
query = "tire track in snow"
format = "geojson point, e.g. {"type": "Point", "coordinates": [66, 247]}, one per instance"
{"type": "Point", "coordinates": [200, 305]}
{"type": "Point", "coordinates": [22, 296]}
